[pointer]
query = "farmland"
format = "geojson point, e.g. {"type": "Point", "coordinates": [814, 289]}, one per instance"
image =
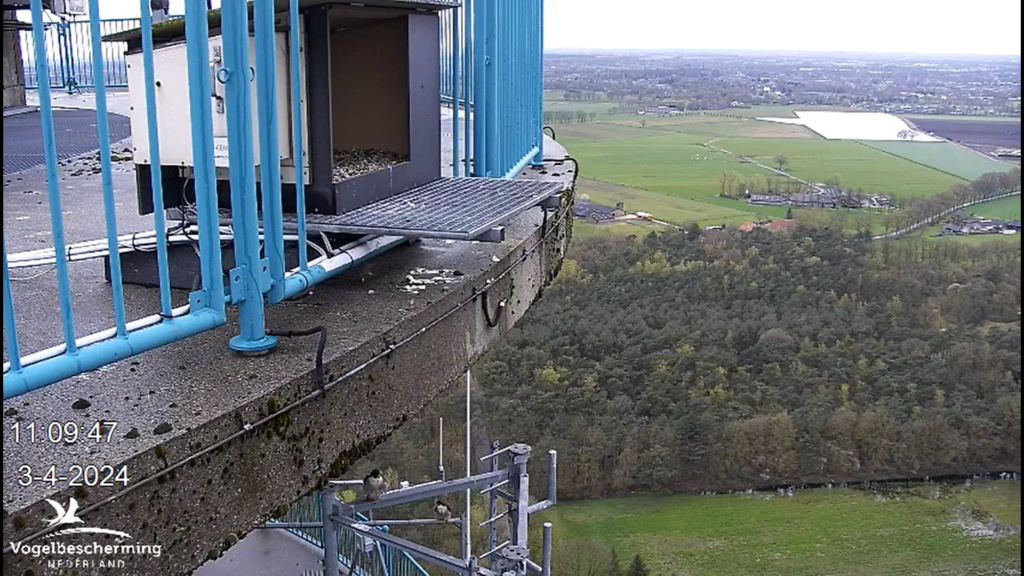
{"type": "Point", "coordinates": [944, 156]}
{"type": "Point", "coordinates": [986, 132]}
{"type": "Point", "coordinates": [912, 531]}
{"type": "Point", "coordinates": [669, 165]}
{"type": "Point", "coordinates": [856, 166]}
{"type": "Point", "coordinates": [1004, 209]}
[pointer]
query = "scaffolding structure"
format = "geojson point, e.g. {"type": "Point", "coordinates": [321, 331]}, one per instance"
{"type": "Point", "coordinates": [506, 482]}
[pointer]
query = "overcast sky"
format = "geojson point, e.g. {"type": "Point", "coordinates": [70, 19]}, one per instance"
{"type": "Point", "coordinates": [922, 26]}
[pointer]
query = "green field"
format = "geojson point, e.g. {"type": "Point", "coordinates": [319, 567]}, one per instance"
{"type": "Point", "coordinates": [668, 208]}
{"type": "Point", "coordinates": [677, 164]}
{"type": "Point", "coordinates": [944, 156]}
{"type": "Point", "coordinates": [1004, 209]}
{"type": "Point", "coordinates": [669, 166]}
{"type": "Point", "coordinates": [857, 166]}
{"type": "Point", "coordinates": [815, 532]}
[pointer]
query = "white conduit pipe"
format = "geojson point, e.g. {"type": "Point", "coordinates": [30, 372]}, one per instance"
{"type": "Point", "coordinates": [79, 252]}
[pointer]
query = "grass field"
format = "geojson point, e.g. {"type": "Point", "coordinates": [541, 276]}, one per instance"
{"type": "Point", "coordinates": [857, 166]}
{"type": "Point", "coordinates": [1004, 209]}
{"type": "Point", "coordinates": [661, 164]}
{"type": "Point", "coordinates": [816, 532]}
{"type": "Point", "coordinates": [676, 210]}
{"type": "Point", "coordinates": [944, 156]}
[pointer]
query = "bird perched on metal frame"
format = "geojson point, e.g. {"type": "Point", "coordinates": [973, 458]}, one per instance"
{"type": "Point", "coordinates": [374, 486]}
{"type": "Point", "coordinates": [442, 512]}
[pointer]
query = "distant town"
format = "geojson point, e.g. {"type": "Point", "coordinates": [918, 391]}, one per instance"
{"type": "Point", "coordinates": [701, 81]}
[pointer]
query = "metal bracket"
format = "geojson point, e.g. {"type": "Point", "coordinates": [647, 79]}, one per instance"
{"type": "Point", "coordinates": [266, 282]}
{"type": "Point", "coordinates": [496, 235]}
{"type": "Point", "coordinates": [199, 300]}
{"type": "Point", "coordinates": [552, 202]}
{"type": "Point", "coordinates": [236, 284]}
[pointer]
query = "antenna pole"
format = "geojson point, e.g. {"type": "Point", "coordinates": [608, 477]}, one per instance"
{"type": "Point", "coordinates": [440, 451]}
{"type": "Point", "coordinates": [468, 546]}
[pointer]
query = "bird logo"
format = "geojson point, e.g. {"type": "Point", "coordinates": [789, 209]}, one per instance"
{"type": "Point", "coordinates": [64, 517]}
{"type": "Point", "coordinates": [66, 520]}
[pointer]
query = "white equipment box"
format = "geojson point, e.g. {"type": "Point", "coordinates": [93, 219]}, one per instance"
{"type": "Point", "coordinates": [170, 64]}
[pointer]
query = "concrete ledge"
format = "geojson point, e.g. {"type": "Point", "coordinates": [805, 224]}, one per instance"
{"type": "Point", "coordinates": [198, 487]}
{"type": "Point", "coordinates": [19, 110]}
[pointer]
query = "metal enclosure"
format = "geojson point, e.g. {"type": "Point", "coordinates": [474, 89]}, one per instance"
{"type": "Point", "coordinates": [370, 79]}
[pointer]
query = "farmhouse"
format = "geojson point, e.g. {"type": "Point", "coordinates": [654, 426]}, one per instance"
{"type": "Point", "coordinates": [660, 111]}
{"type": "Point", "coordinates": [766, 200]}
{"type": "Point", "coordinates": [960, 226]}
{"type": "Point", "coordinates": [813, 200]}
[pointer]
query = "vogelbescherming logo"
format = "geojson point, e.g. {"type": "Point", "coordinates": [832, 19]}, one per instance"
{"type": "Point", "coordinates": [82, 555]}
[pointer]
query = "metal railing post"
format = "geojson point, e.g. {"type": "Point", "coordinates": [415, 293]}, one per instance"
{"type": "Point", "coordinates": [546, 551]}
{"type": "Point", "coordinates": [270, 161]}
{"type": "Point", "coordinates": [297, 144]}
{"type": "Point", "coordinates": [455, 66]}
{"type": "Point", "coordinates": [52, 181]}
{"type": "Point", "coordinates": [538, 90]}
{"type": "Point", "coordinates": [467, 51]}
{"type": "Point", "coordinates": [156, 177]}
{"type": "Point", "coordinates": [247, 278]}
{"type": "Point", "coordinates": [204, 172]}
{"type": "Point", "coordinates": [10, 330]}
{"type": "Point", "coordinates": [328, 509]}
{"type": "Point", "coordinates": [481, 85]}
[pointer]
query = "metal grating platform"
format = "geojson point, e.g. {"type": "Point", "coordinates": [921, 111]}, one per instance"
{"type": "Point", "coordinates": [452, 208]}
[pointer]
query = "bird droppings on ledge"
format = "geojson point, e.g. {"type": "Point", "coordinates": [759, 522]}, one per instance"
{"type": "Point", "coordinates": [357, 162]}
{"type": "Point", "coordinates": [420, 279]}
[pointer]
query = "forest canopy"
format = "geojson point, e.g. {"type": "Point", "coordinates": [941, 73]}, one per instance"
{"type": "Point", "coordinates": [723, 360]}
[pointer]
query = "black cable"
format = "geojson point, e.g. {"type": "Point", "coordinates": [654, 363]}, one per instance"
{"type": "Point", "coordinates": [487, 309]}
{"type": "Point", "coordinates": [552, 130]}
{"type": "Point", "coordinates": [320, 347]}
{"type": "Point", "coordinates": [246, 430]}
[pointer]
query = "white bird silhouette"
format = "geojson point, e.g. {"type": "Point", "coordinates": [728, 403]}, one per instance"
{"type": "Point", "coordinates": [69, 516]}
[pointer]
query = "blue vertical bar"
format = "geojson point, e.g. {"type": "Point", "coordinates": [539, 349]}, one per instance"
{"type": "Point", "coordinates": [201, 114]}
{"type": "Point", "coordinates": [495, 97]}
{"type": "Point", "coordinates": [52, 186]}
{"type": "Point", "coordinates": [247, 275]}
{"type": "Point", "coordinates": [270, 160]}
{"type": "Point", "coordinates": [539, 83]}
{"type": "Point", "coordinates": [455, 92]}
{"type": "Point", "coordinates": [155, 175]}
{"type": "Point", "coordinates": [481, 95]}
{"type": "Point", "coordinates": [10, 329]}
{"type": "Point", "coordinates": [107, 184]}
{"type": "Point", "coordinates": [299, 160]}
{"type": "Point", "coordinates": [467, 51]}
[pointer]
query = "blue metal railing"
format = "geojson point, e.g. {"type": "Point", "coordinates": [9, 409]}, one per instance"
{"type": "Point", "coordinates": [72, 53]}
{"type": "Point", "coordinates": [492, 75]}
{"type": "Point", "coordinates": [491, 57]}
{"type": "Point", "coordinates": [385, 561]}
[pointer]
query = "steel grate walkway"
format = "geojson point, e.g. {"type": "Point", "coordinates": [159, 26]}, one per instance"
{"type": "Point", "coordinates": [451, 208]}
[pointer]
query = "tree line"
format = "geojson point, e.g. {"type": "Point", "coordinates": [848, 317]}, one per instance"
{"type": "Point", "coordinates": [927, 209]}
{"type": "Point", "coordinates": [568, 116]}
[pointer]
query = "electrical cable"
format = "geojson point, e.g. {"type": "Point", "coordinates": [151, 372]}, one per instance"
{"type": "Point", "coordinates": [313, 395]}
{"type": "Point", "coordinates": [320, 346]}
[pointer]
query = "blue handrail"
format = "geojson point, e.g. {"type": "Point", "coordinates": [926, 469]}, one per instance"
{"type": "Point", "coordinates": [390, 562]}
{"type": "Point", "coordinates": [491, 66]}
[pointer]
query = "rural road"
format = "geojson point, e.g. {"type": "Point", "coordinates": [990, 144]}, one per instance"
{"type": "Point", "coordinates": [948, 211]}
